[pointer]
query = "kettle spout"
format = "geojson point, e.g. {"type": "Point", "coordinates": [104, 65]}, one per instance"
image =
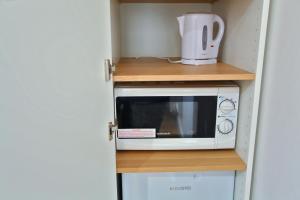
{"type": "Point", "coordinates": [181, 24]}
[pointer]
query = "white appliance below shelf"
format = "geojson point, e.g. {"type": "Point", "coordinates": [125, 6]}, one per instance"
{"type": "Point", "coordinates": [178, 186]}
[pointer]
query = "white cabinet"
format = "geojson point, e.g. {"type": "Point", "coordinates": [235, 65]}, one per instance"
{"type": "Point", "coordinates": [152, 30]}
{"type": "Point", "coordinates": [55, 104]}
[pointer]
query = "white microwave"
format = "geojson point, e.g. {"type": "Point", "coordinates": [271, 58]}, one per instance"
{"type": "Point", "coordinates": [173, 116]}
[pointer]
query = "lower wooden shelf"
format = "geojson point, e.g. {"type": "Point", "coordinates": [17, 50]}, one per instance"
{"type": "Point", "coordinates": [178, 161]}
{"type": "Point", "coordinates": [167, 1]}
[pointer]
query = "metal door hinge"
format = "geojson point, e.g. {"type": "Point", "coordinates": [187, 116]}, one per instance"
{"type": "Point", "coordinates": [112, 128]}
{"type": "Point", "coordinates": [109, 69]}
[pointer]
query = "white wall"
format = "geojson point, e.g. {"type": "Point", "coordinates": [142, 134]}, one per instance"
{"type": "Point", "coordinates": [277, 162]}
{"type": "Point", "coordinates": [152, 29]}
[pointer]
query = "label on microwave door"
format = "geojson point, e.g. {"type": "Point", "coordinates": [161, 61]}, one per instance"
{"type": "Point", "coordinates": [137, 133]}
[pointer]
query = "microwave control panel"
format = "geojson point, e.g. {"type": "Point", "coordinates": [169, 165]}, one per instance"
{"type": "Point", "coordinates": [227, 112]}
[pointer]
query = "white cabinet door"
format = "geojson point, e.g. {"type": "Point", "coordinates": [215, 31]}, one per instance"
{"type": "Point", "coordinates": [55, 103]}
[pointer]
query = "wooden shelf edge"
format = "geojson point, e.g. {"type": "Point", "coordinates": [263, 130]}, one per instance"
{"type": "Point", "coordinates": [178, 161]}
{"type": "Point", "coordinates": [152, 69]}
{"type": "Point", "coordinates": [132, 78]}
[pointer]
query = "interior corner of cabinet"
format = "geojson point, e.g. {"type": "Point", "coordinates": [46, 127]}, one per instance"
{"type": "Point", "coordinates": [151, 30]}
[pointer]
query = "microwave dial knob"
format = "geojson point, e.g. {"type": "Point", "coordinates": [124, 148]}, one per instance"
{"type": "Point", "coordinates": [225, 127]}
{"type": "Point", "coordinates": [227, 106]}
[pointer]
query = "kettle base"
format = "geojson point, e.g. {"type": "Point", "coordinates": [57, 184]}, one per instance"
{"type": "Point", "coordinates": [199, 62]}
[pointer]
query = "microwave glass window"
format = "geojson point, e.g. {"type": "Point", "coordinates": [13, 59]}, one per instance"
{"type": "Point", "coordinates": [172, 117]}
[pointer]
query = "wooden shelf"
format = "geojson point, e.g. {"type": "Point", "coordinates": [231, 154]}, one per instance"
{"type": "Point", "coordinates": [152, 69]}
{"type": "Point", "coordinates": [167, 1]}
{"type": "Point", "coordinates": [178, 161]}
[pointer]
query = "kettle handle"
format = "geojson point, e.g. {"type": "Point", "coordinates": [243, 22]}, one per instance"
{"type": "Point", "coordinates": [220, 34]}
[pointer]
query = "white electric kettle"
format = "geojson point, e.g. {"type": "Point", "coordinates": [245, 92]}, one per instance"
{"type": "Point", "coordinates": [198, 45]}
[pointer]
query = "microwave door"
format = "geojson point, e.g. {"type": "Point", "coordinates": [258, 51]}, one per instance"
{"type": "Point", "coordinates": [193, 117]}
{"type": "Point", "coordinates": [186, 117]}
{"type": "Point", "coordinates": [170, 117]}
{"type": "Point", "coordinates": [180, 118]}
{"type": "Point", "coordinates": [141, 112]}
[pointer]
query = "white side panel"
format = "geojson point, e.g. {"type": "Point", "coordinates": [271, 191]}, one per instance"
{"type": "Point", "coordinates": [55, 103]}
{"type": "Point", "coordinates": [246, 23]}
{"type": "Point", "coordinates": [256, 98]}
{"type": "Point", "coordinates": [277, 163]}
{"type": "Point", "coordinates": [152, 29]}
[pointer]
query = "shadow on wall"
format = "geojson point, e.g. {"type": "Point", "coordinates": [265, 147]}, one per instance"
{"type": "Point", "coordinates": [152, 29]}
{"type": "Point", "coordinates": [235, 31]}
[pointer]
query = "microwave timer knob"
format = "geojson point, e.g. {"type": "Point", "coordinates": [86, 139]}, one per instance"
{"type": "Point", "coordinates": [227, 106]}
{"type": "Point", "coordinates": [225, 127]}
